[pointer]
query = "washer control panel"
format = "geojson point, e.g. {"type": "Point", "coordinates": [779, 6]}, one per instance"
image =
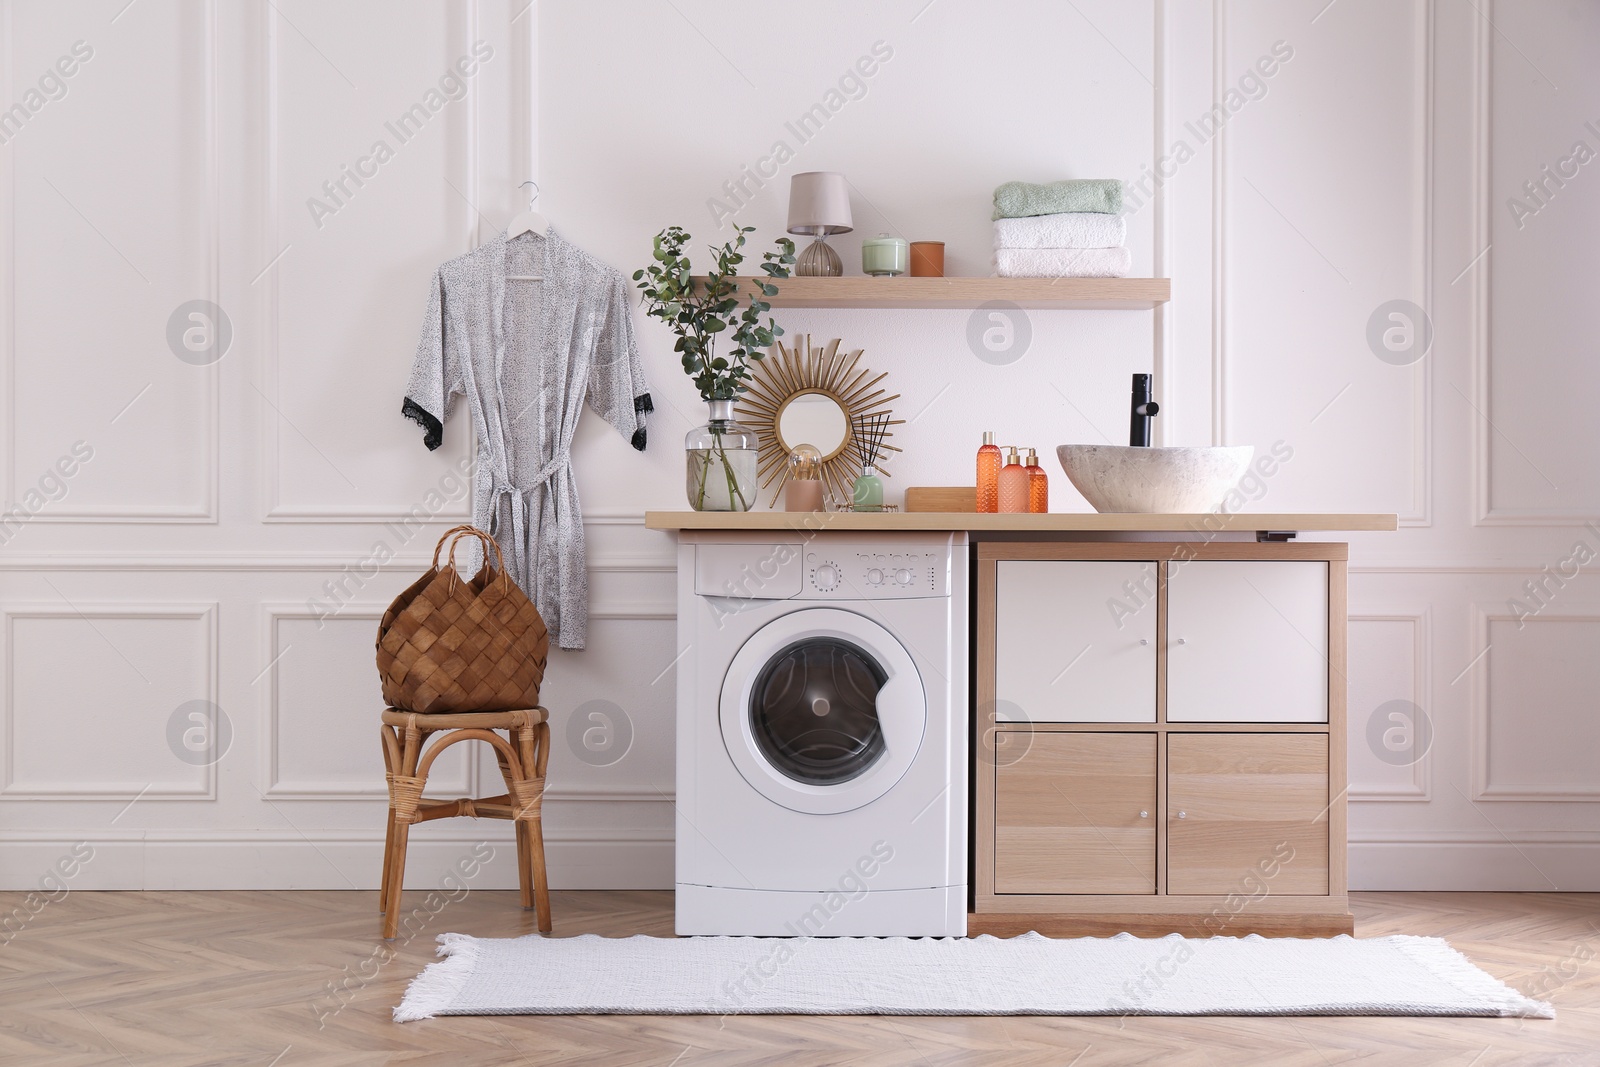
{"type": "Point", "coordinates": [866, 572]}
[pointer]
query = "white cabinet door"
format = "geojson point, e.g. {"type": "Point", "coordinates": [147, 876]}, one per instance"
{"type": "Point", "coordinates": [1076, 641]}
{"type": "Point", "coordinates": [1247, 641]}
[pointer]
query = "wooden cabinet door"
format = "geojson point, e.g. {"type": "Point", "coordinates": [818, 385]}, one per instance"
{"type": "Point", "coordinates": [1247, 641]}
{"type": "Point", "coordinates": [1075, 641]}
{"type": "Point", "coordinates": [1247, 814]}
{"type": "Point", "coordinates": [1076, 813]}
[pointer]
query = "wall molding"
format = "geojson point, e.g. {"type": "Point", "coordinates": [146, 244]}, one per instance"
{"type": "Point", "coordinates": [1421, 511]}
{"type": "Point", "coordinates": [332, 859]}
{"type": "Point", "coordinates": [1482, 226]}
{"type": "Point", "coordinates": [1219, 231]}
{"type": "Point", "coordinates": [1421, 790]}
{"type": "Point", "coordinates": [204, 511]}
{"type": "Point", "coordinates": [477, 782]}
{"type": "Point", "coordinates": [643, 859]}
{"type": "Point", "coordinates": [601, 563]}
{"type": "Point", "coordinates": [205, 786]}
{"type": "Point", "coordinates": [1479, 348]}
{"type": "Point", "coordinates": [635, 611]}
{"type": "Point", "coordinates": [270, 431]}
{"type": "Point", "coordinates": [1164, 333]}
{"type": "Point", "coordinates": [1478, 730]}
{"type": "Point", "coordinates": [1422, 863]}
{"type": "Point", "coordinates": [1446, 566]}
{"type": "Point", "coordinates": [273, 653]}
{"type": "Point", "coordinates": [1423, 405]}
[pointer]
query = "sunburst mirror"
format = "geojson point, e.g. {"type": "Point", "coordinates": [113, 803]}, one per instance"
{"type": "Point", "coordinates": [806, 394]}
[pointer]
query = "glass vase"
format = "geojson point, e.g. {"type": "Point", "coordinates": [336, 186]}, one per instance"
{"type": "Point", "coordinates": [720, 462]}
{"type": "Point", "coordinates": [867, 493]}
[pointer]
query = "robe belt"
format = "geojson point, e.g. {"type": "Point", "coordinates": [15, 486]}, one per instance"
{"type": "Point", "coordinates": [558, 463]}
{"type": "Point", "coordinates": [519, 523]}
{"type": "Point", "coordinates": [519, 516]}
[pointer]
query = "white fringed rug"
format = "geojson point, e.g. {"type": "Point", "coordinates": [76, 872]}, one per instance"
{"type": "Point", "coordinates": [1027, 975]}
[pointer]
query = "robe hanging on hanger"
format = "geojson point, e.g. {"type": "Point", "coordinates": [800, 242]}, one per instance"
{"type": "Point", "coordinates": [527, 355]}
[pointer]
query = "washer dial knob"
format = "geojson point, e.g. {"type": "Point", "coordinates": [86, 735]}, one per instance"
{"type": "Point", "coordinates": [904, 576]}
{"type": "Point", "coordinates": [875, 576]}
{"type": "Point", "coordinates": [826, 577]}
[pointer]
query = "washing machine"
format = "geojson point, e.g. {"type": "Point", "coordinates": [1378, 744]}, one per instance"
{"type": "Point", "coordinates": [822, 734]}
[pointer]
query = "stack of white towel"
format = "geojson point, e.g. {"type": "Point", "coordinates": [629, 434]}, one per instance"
{"type": "Point", "coordinates": [1034, 238]}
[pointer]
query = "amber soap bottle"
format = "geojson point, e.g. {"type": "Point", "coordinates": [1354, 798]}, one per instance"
{"type": "Point", "coordinates": [1013, 484]}
{"type": "Point", "coordinates": [988, 475]}
{"type": "Point", "coordinates": [1038, 484]}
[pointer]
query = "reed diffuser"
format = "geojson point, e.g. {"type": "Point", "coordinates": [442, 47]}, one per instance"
{"type": "Point", "coordinates": [870, 430]}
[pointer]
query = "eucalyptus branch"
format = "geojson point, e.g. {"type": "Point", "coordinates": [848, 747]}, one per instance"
{"type": "Point", "coordinates": [698, 310]}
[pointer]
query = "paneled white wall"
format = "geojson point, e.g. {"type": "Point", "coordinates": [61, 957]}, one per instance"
{"type": "Point", "coordinates": [221, 534]}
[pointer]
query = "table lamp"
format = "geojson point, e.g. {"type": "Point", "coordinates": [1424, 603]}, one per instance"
{"type": "Point", "coordinates": [819, 205]}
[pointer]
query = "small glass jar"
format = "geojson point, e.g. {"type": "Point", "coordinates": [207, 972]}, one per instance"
{"type": "Point", "coordinates": [867, 493]}
{"type": "Point", "coordinates": [720, 459]}
{"type": "Point", "coordinates": [884, 256]}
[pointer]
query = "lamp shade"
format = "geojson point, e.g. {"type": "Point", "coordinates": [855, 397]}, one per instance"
{"type": "Point", "coordinates": [819, 203]}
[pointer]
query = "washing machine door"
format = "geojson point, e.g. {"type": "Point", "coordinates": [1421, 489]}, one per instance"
{"type": "Point", "coordinates": [823, 711]}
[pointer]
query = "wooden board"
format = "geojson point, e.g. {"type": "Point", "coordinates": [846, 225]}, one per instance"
{"type": "Point", "coordinates": [1102, 294]}
{"type": "Point", "coordinates": [1246, 811]}
{"type": "Point", "coordinates": [1076, 813]}
{"type": "Point", "coordinates": [1197, 526]}
{"type": "Point", "coordinates": [946, 498]}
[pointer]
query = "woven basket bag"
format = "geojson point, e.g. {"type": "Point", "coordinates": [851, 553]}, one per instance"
{"type": "Point", "coordinates": [453, 644]}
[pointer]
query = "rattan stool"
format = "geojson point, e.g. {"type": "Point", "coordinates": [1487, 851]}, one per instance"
{"type": "Point", "coordinates": [522, 763]}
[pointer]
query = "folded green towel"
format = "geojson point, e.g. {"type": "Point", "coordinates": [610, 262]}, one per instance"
{"type": "Point", "coordinates": [1019, 200]}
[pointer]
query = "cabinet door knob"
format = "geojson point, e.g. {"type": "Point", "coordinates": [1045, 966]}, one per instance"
{"type": "Point", "coordinates": [1144, 640]}
{"type": "Point", "coordinates": [1183, 640]}
{"type": "Point", "coordinates": [1183, 815]}
{"type": "Point", "coordinates": [1144, 815]}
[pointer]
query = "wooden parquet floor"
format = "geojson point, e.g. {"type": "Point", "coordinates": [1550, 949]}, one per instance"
{"type": "Point", "coordinates": [301, 979]}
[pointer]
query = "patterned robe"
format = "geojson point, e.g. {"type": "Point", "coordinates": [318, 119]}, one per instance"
{"type": "Point", "coordinates": [527, 355]}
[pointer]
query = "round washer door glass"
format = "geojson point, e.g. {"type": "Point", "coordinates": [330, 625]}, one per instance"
{"type": "Point", "coordinates": [822, 711]}
{"type": "Point", "coordinates": [814, 710]}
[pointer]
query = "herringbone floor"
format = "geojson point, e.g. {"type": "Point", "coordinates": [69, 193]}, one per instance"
{"type": "Point", "coordinates": [301, 979]}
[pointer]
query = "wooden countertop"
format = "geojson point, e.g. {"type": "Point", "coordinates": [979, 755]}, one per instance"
{"type": "Point", "coordinates": [1055, 522]}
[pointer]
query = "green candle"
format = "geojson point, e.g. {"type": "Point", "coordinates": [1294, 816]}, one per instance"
{"type": "Point", "coordinates": [885, 256]}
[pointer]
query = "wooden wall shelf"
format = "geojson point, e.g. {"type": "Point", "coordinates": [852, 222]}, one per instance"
{"type": "Point", "coordinates": [1089, 294]}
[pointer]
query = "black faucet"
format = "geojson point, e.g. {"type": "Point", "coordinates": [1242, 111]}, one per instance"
{"type": "Point", "coordinates": [1143, 410]}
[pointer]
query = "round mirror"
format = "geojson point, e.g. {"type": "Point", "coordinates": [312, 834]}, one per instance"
{"type": "Point", "coordinates": [810, 394]}
{"type": "Point", "coordinates": [813, 418]}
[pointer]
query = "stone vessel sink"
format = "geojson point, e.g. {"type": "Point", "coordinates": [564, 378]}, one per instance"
{"type": "Point", "coordinates": [1159, 481]}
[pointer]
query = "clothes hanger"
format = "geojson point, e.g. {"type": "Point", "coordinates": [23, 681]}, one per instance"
{"type": "Point", "coordinates": [529, 221]}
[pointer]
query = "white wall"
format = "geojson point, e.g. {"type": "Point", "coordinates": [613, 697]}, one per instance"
{"type": "Point", "coordinates": [1373, 164]}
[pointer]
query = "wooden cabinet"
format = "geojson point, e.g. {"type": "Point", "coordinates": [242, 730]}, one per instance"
{"type": "Point", "coordinates": [1247, 803]}
{"type": "Point", "coordinates": [1075, 640]}
{"type": "Point", "coordinates": [1076, 813]}
{"type": "Point", "coordinates": [1198, 790]}
{"type": "Point", "coordinates": [1247, 641]}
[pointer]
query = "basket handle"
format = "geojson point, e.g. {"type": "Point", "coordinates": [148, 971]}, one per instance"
{"type": "Point", "coordinates": [455, 535]}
